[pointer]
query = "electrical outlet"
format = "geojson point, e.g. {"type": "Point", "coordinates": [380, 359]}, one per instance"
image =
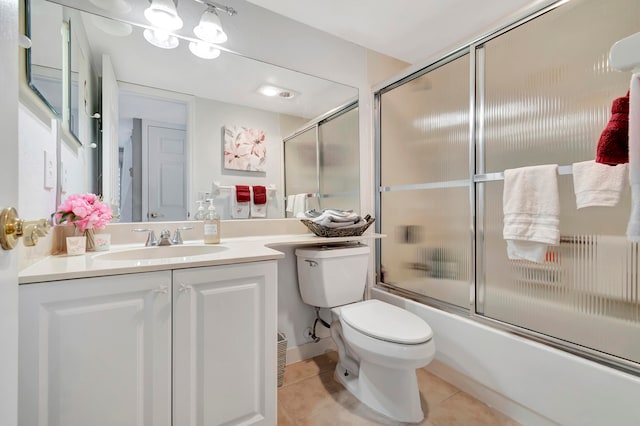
{"type": "Point", "coordinates": [49, 170]}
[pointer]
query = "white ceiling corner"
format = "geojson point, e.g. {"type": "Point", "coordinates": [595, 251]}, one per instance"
{"type": "Point", "coordinates": [409, 30]}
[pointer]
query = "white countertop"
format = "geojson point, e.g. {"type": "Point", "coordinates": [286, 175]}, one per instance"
{"type": "Point", "coordinates": [238, 250]}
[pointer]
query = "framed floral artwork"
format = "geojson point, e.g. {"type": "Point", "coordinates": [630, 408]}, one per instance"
{"type": "Point", "coordinates": [244, 149]}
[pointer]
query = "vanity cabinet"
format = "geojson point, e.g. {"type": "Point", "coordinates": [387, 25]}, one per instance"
{"type": "Point", "coordinates": [183, 347]}
{"type": "Point", "coordinates": [225, 345]}
{"type": "Point", "coordinates": [96, 351]}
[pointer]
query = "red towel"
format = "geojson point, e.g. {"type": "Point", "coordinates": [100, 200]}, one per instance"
{"type": "Point", "coordinates": [613, 145]}
{"type": "Point", "coordinates": [242, 194]}
{"type": "Point", "coordinates": [259, 194]}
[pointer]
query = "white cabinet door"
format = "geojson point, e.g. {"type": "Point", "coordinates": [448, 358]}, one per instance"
{"type": "Point", "coordinates": [225, 341]}
{"type": "Point", "coordinates": [96, 351]}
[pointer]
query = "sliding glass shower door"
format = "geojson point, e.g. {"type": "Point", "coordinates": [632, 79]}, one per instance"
{"type": "Point", "coordinates": [549, 107]}
{"type": "Point", "coordinates": [538, 92]}
{"type": "Point", "coordinates": [322, 162]}
{"type": "Point", "coordinates": [424, 175]}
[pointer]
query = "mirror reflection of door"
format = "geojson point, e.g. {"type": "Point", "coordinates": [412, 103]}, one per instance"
{"type": "Point", "coordinates": [153, 157]}
{"type": "Point", "coordinates": [166, 173]}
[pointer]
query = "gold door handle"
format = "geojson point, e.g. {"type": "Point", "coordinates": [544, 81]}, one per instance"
{"type": "Point", "coordinates": [12, 228]}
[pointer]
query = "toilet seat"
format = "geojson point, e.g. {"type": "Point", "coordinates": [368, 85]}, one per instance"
{"type": "Point", "coordinates": [386, 322]}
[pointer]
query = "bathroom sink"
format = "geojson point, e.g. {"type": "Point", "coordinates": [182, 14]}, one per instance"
{"type": "Point", "coordinates": [160, 252]}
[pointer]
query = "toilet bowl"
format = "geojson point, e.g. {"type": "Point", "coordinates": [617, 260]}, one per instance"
{"type": "Point", "coordinates": [377, 368]}
{"type": "Point", "coordinates": [379, 345]}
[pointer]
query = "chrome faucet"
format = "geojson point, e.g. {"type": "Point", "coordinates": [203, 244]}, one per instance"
{"type": "Point", "coordinates": [165, 236]}
{"type": "Point", "coordinates": [151, 239]}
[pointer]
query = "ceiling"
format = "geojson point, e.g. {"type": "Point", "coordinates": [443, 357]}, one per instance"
{"type": "Point", "coordinates": [409, 30]}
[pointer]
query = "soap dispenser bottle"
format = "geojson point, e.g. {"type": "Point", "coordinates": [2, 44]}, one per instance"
{"type": "Point", "coordinates": [211, 225]}
{"type": "Point", "coordinates": [201, 214]}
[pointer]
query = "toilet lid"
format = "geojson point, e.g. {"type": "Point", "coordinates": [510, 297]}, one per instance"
{"type": "Point", "coordinates": [386, 322]}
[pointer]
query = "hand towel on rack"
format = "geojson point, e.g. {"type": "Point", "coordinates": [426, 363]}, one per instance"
{"type": "Point", "coordinates": [531, 208]}
{"type": "Point", "coordinates": [633, 227]}
{"type": "Point", "coordinates": [259, 201]}
{"type": "Point", "coordinates": [598, 184]}
{"type": "Point", "coordinates": [243, 194]}
{"type": "Point", "coordinates": [613, 145]}
{"type": "Point", "coordinates": [299, 205]}
{"type": "Point", "coordinates": [290, 200]}
{"type": "Point", "coordinates": [240, 209]}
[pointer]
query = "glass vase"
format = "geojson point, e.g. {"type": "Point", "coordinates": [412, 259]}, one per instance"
{"type": "Point", "coordinates": [91, 239]}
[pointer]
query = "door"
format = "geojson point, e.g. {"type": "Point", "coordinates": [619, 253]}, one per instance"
{"type": "Point", "coordinates": [8, 198]}
{"type": "Point", "coordinates": [224, 336]}
{"type": "Point", "coordinates": [110, 153]}
{"type": "Point", "coordinates": [166, 172]}
{"type": "Point", "coordinates": [96, 351]}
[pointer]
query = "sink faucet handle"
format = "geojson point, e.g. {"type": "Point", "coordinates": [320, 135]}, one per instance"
{"type": "Point", "coordinates": [177, 237]}
{"type": "Point", "coordinates": [165, 238]}
{"type": "Point", "coordinates": [151, 239]}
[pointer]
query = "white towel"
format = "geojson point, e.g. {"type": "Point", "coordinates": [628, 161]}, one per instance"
{"type": "Point", "coordinates": [238, 210]}
{"type": "Point", "coordinates": [531, 207]}
{"type": "Point", "coordinates": [337, 218]}
{"type": "Point", "coordinates": [297, 204]}
{"type": "Point", "coordinates": [633, 228]}
{"type": "Point", "coordinates": [598, 184]}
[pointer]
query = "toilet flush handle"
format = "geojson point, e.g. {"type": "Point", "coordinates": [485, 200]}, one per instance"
{"type": "Point", "coordinates": [311, 263]}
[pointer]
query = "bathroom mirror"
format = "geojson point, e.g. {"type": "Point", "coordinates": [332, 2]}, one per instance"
{"type": "Point", "coordinates": [45, 27]}
{"type": "Point", "coordinates": [187, 104]}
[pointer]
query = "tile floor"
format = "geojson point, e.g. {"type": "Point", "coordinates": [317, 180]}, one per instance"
{"type": "Point", "coordinates": [310, 396]}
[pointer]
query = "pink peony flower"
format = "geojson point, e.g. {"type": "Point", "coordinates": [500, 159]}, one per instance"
{"type": "Point", "coordinates": [84, 211]}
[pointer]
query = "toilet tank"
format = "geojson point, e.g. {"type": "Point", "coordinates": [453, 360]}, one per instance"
{"type": "Point", "coordinates": [332, 276]}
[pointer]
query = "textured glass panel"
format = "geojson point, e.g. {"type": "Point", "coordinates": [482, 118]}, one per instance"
{"type": "Point", "coordinates": [548, 85]}
{"type": "Point", "coordinates": [586, 292]}
{"type": "Point", "coordinates": [301, 164]}
{"type": "Point", "coordinates": [339, 162]}
{"type": "Point", "coordinates": [550, 106]}
{"type": "Point", "coordinates": [425, 127]}
{"type": "Point", "coordinates": [428, 248]}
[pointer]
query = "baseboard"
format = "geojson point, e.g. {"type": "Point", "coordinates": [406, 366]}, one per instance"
{"type": "Point", "coordinates": [493, 399]}
{"type": "Point", "coordinates": [309, 350]}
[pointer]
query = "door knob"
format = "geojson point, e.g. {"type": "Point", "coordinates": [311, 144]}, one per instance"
{"type": "Point", "coordinates": [153, 215]}
{"type": "Point", "coordinates": [12, 228]}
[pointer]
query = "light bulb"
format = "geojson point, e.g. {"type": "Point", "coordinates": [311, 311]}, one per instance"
{"type": "Point", "coordinates": [203, 50]}
{"type": "Point", "coordinates": [161, 39]}
{"type": "Point", "coordinates": [210, 29]}
{"type": "Point", "coordinates": [163, 14]}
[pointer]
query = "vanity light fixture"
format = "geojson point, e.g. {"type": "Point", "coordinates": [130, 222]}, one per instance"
{"type": "Point", "coordinates": [161, 39]}
{"type": "Point", "coordinates": [209, 28]}
{"type": "Point", "coordinates": [164, 14]}
{"type": "Point", "coordinates": [274, 91]}
{"type": "Point", "coordinates": [203, 50]}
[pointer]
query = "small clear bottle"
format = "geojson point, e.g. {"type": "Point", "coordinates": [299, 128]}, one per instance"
{"type": "Point", "coordinates": [212, 225]}
{"type": "Point", "coordinates": [201, 214]}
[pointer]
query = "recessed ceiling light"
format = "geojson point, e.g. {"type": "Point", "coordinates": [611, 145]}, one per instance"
{"type": "Point", "coordinates": [274, 91]}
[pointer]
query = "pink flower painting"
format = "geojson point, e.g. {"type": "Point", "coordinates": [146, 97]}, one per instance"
{"type": "Point", "coordinates": [244, 149]}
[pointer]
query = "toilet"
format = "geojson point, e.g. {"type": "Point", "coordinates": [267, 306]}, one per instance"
{"type": "Point", "coordinates": [379, 345]}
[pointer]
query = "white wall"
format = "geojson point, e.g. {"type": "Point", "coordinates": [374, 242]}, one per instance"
{"type": "Point", "coordinates": [34, 138]}
{"type": "Point", "coordinates": [207, 152]}
{"type": "Point", "coordinates": [554, 384]}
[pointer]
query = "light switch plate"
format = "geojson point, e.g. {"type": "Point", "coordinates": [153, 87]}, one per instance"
{"type": "Point", "coordinates": [49, 170]}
